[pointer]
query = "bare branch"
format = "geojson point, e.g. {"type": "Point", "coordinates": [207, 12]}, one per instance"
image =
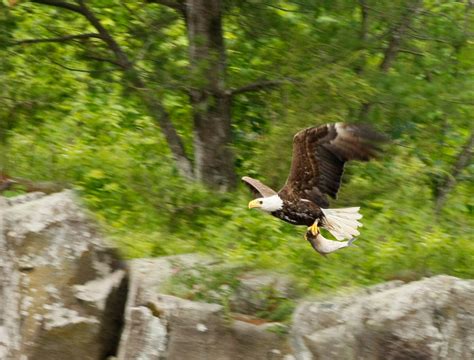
{"type": "Point", "coordinates": [57, 39]}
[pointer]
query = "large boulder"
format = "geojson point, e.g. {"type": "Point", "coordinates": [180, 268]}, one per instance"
{"type": "Point", "coordinates": [62, 288]}
{"type": "Point", "coordinates": [428, 319]}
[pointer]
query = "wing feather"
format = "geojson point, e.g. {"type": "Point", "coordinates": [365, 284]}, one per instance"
{"type": "Point", "coordinates": [319, 155]}
{"type": "Point", "coordinates": [258, 188]}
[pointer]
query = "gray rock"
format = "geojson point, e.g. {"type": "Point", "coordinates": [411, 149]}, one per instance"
{"type": "Point", "coordinates": [198, 331]}
{"type": "Point", "coordinates": [62, 289]}
{"type": "Point", "coordinates": [63, 293]}
{"type": "Point", "coordinates": [96, 292]}
{"type": "Point", "coordinates": [160, 326]}
{"type": "Point", "coordinates": [255, 290]}
{"type": "Point", "coordinates": [428, 319]}
{"type": "Point", "coordinates": [145, 336]}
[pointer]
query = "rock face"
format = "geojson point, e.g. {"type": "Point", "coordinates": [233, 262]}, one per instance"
{"type": "Point", "coordinates": [62, 289]}
{"type": "Point", "coordinates": [427, 319]}
{"type": "Point", "coordinates": [161, 326]}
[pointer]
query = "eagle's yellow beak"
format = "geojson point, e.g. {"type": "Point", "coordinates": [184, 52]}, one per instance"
{"type": "Point", "coordinates": [254, 204]}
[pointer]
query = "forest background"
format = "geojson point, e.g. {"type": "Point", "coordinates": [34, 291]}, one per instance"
{"type": "Point", "coordinates": [153, 110]}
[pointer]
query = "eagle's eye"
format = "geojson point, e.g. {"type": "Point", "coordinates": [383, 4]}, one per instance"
{"type": "Point", "coordinates": [260, 202]}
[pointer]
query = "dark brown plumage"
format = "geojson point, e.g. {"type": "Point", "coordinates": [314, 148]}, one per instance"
{"type": "Point", "coordinates": [319, 156]}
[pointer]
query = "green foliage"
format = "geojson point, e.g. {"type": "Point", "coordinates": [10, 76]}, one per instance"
{"type": "Point", "coordinates": [86, 128]}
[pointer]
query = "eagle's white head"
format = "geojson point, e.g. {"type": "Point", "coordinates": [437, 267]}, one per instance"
{"type": "Point", "coordinates": [267, 204]}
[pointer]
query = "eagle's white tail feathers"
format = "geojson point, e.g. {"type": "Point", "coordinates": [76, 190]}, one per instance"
{"type": "Point", "coordinates": [342, 223]}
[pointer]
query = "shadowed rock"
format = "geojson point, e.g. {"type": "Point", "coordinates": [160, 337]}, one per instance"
{"type": "Point", "coordinates": [62, 289]}
{"type": "Point", "coordinates": [428, 319]}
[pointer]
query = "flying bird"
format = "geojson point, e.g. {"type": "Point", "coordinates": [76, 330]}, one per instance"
{"type": "Point", "coordinates": [319, 156]}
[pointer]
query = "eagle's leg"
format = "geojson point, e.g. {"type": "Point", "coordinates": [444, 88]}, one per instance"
{"type": "Point", "coordinates": [314, 228]}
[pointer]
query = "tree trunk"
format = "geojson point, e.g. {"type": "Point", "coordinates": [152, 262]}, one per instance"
{"type": "Point", "coordinates": [211, 103]}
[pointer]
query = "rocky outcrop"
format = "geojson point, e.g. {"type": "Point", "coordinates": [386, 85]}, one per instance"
{"type": "Point", "coordinates": [428, 319]}
{"type": "Point", "coordinates": [160, 326]}
{"type": "Point", "coordinates": [63, 294]}
{"type": "Point", "coordinates": [62, 289]}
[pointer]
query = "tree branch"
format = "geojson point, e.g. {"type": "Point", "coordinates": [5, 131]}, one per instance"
{"type": "Point", "coordinates": [257, 86]}
{"type": "Point", "coordinates": [364, 24]}
{"type": "Point", "coordinates": [122, 58]}
{"type": "Point", "coordinates": [447, 185]}
{"type": "Point", "coordinates": [413, 52]}
{"type": "Point", "coordinates": [363, 35]}
{"type": "Point", "coordinates": [81, 70]}
{"type": "Point", "coordinates": [173, 4]}
{"type": "Point", "coordinates": [60, 4]}
{"type": "Point", "coordinates": [152, 102]}
{"type": "Point", "coordinates": [57, 39]}
{"type": "Point", "coordinates": [398, 35]}
{"type": "Point", "coordinates": [98, 58]}
{"type": "Point", "coordinates": [415, 35]}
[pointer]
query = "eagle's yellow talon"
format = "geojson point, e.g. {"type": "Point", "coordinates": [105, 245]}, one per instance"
{"type": "Point", "coordinates": [314, 228]}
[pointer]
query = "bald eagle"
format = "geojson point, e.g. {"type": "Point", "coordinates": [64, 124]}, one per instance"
{"type": "Point", "coordinates": [319, 155]}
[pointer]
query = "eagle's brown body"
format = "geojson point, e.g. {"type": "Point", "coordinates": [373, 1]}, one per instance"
{"type": "Point", "coordinates": [299, 212]}
{"type": "Point", "coordinates": [319, 155]}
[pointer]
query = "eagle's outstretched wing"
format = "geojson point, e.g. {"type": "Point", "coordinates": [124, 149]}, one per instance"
{"type": "Point", "coordinates": [319, 155]}
{"type": "Point", "coordinates": [258, 189]}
